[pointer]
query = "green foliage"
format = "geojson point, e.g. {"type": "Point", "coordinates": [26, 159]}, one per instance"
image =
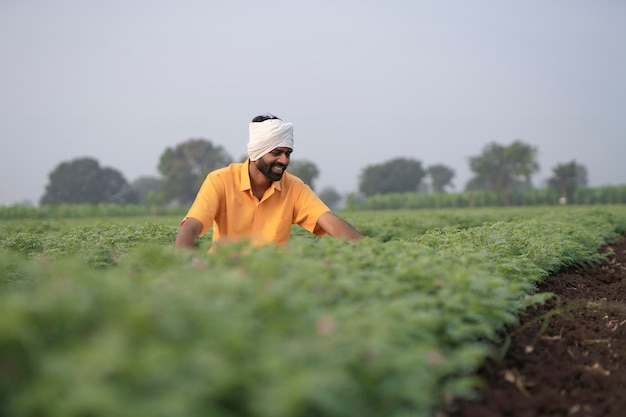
{"type": "Point", "coordinates": [82, 180]}
{"type": "Point", "coordinates": [392, 325]}
{"type": "Point", "coordinates": [69, 211]}
{"type": "Point", "coordinates": [393, 201]}
{"type": "Point", "coordinates": [148, 190]}
{"type": "Point", "coordinates": [185, 167]}
{"type": "Point", "coordinates": [485, 198]}
{"type": "Point", "coordinates": [503, 168]}
{"type": "Point", "coordinates": [394, 176]}
{"type": "Point", "coordinates": [98, 245]}
{"type": "Point", "coordinates": [306, 170]}
{"type": "Point", "coordinates": [440, 176]}
{"type": "Point", "coordinates": [567, 177]}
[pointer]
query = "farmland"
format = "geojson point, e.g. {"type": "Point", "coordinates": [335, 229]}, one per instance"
{"type": "Point", "coordinates": [100, 316]}
{"type": "Point", "coordinates": [567, 356]}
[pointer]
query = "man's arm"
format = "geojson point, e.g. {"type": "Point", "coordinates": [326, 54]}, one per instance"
{"type": "Point", "coordinates": [337, 227]}
{"type": "Point", "coordinates": [188, 233]}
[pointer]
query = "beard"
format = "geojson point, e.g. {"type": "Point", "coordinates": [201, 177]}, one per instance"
{"type": "Point", "coordinates": [268, 169]}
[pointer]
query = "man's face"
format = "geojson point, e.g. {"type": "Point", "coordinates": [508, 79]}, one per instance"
{"type": "Point", "coordinates": [274, 163]}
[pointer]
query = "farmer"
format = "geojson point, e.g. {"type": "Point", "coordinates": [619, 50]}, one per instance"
{"type": "Point", "coordinates": [257, 200]}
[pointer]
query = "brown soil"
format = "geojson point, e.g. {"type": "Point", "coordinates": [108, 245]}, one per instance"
{"type": "Point", "coordinates": [568, 357]}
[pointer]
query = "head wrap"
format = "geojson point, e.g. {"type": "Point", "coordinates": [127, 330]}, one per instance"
{"type": "Point", "coordinates": [268, 135]}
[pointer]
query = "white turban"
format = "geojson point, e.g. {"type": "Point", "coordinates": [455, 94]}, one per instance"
{"type": "Point", "coordinates": [268, 135]}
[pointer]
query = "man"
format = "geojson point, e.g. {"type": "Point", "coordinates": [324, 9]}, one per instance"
{"type": "Point", "coordinates": [257, 200]}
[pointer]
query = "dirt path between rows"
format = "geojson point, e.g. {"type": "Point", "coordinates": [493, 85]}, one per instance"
{"type": "Point", "coordinates": [572, 365]}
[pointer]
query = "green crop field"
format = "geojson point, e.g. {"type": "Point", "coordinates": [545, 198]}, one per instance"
{"type": "Point", "coordinates": [101, 317]}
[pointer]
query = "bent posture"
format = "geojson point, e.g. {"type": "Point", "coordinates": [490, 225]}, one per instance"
{"type": "Point", "coordinates": [257, 199]}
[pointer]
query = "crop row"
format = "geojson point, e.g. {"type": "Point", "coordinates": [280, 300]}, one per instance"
{"type": "Point", "coordinates": [486, 198]}
{"type": "Point", "coordinates": [395, 324]}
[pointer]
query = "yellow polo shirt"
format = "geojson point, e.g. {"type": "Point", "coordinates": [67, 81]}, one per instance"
{"type": "Point", "coordinates": [225, 200]}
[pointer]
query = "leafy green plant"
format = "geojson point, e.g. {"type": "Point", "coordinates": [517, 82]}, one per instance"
{"type": "Point", "coordinates": [105, 318]}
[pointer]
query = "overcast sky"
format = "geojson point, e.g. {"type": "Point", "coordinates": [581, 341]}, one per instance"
{"type": "Point", "coordinates": [363, 82]}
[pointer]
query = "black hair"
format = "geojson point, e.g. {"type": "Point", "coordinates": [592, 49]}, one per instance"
{"type": "Point", "coordinates": [264, 117]}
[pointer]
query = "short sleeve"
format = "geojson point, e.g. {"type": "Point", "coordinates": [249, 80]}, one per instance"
{"type": "Point", "coordinates": [308, 209]}
{"type": "Point", "coordinates": [206, 203]}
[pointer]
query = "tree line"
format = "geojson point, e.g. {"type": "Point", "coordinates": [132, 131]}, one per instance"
{"type": "Point", "coordinates": [502, 169]}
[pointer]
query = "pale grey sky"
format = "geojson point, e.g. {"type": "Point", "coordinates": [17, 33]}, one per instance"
{"type": "Point", "coordinates": [362, 81]}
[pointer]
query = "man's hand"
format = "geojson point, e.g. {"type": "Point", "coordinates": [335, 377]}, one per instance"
{"type": "Point", "coordinates": [188, 233]}
{"type": "Point", "coordinates": [337, 227]}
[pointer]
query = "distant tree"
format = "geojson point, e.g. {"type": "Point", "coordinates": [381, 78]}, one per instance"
{"type": "Point", "coordinates": [395, 176]}
{"type": "Point", "coordinates": [567, 177]}
{"type": "Point", "coordinates": [115, 187]}
{"type": "Point", "coordinates": [82, 180]}
{"type": "Point", "coordinates": [330, 196]}
{"type": "Point", "coordinates": [305, 170]}
{"type": "Point", "coordinates": [146, 188]}
{"type": "Point", "coordinates": [185, 167]}
{"type": "Point", "coordinates": [503, 168]}
{"type": "Point", "coordinates": [440, 177]}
